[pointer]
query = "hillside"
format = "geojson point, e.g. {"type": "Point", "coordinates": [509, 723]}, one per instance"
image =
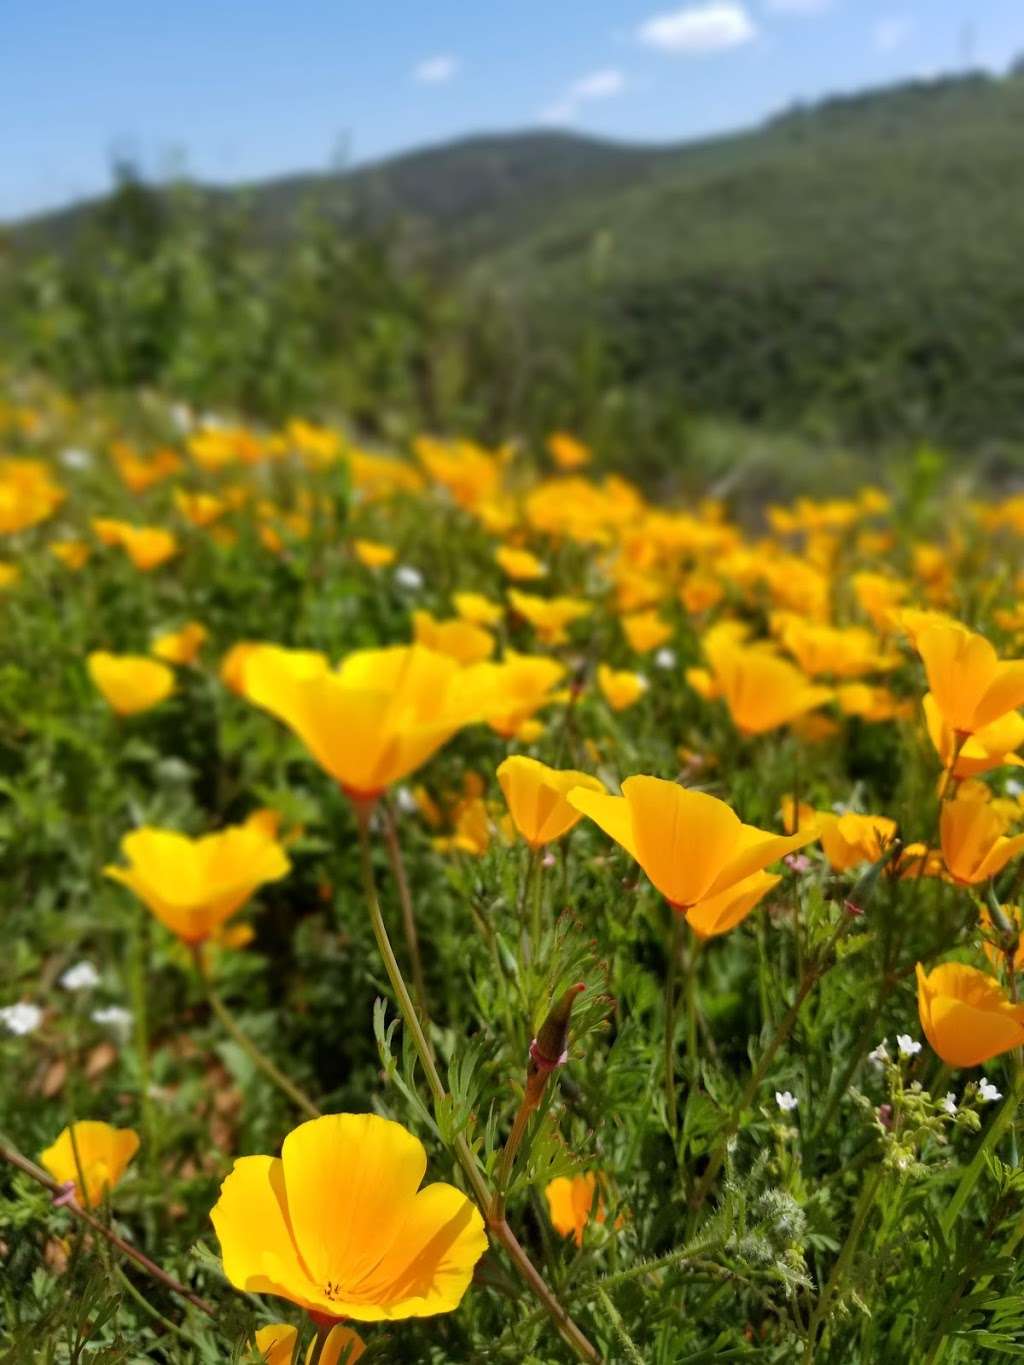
{"type": "Point", "coordinates": [849, 267]}
{"type": "Point", "coordinates": [861, 258]}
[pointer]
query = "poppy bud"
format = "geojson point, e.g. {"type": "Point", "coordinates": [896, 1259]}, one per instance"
{"type": "Point", "coordinates": [549, 1050]}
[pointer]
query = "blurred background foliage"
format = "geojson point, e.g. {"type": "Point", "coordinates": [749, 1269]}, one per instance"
{"type": "Point", "coordinates": [839, 283]}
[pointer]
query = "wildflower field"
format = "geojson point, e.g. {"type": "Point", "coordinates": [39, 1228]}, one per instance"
{"type": "Point", "coordinates": [459, 908]}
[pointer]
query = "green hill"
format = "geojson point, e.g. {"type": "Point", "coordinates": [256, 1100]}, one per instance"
{"type": "Point", "coordinates": [849, 267]}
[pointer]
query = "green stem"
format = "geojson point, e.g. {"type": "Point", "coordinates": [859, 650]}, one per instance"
{"type": "Point", "coordinates": [692, 1061]}
{"type": "Point", "coordinates": [149, 1309]}
{"type": "Point", "coordinates": [628, 1344]}
{"type": "Point", "coordinates": [140, 1037]}
{"type": "Point", "coordinates": [536, 883]}
{"type": "Point", "coordinates": [864, 1205]}
{"type": "Point", "coordinates": [508, 1156]}
{"type": "Point", "coordinates": [971, 1175]}
{"type": "Point", "coordinates": [259, 1059]}
{"type": "Point", "coordinates": [675, 945]}
{"type": "Point", "coordinates": [499, 1228]}
{"type": "Point", "coordinates": [22, 1163]}
{"type": "Point", "coordinates": [861, 1047]}
{"type": "Point", "coordinates": [412, 942]}
{"type": "Point", "coordinates": [812, 975]}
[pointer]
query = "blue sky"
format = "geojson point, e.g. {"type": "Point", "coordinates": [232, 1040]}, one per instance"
{"type": "Point", "coordinates": [235, 92]}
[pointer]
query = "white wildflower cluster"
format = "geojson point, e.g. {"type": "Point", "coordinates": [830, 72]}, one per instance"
{"type": "Point", "coordinates": [83, 976]}
{"type": "Point", "coordinates": [22, 1018]}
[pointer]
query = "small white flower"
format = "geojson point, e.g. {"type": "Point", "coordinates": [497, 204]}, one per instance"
{"type": "Point", "coordinates": [1013, 787]}
{"type": "Point", "coordinates": [21, 1018]}
{"type": "Point", "coordinates": [786, 1101]}
{"type": "Point", "coordinates": [113, 1017]}
{"type": "Point", "coordinates": [73, 458]}
{"type": "Point", "coordinates": [987, 1091]}
{"type": "Point", "coordinates": [181, 416]}
{"type": "Point", "coordinates": [405, 801]}
{"type": "Point", "coordinates": [908, 1046]}
{"type": "Point", "coordinates": [949, 1103]}
{"type": "Point", "coordinates": [408, 577]}
{"type": "Point", "coordinates": [83, 976]}
{"type": "Point", "coordinates": [879, 1055]}
{"type": "Point", "coordinates": [665, 658]}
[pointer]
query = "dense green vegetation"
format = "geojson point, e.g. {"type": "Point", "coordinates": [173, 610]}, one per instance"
{"type": "Point", "coordinates": [848, 271]}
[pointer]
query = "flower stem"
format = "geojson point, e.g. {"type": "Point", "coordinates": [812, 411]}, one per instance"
{"type": "Point", "coordinates": [34, 1172]}
{"type": "Point", "coordinates": [140, 1037]}
{"type": "Point", "coordinates": [614, 1317]}
{"type": "Point", "coordinates": [323, 1331]}
{"type": "Point", "coordinates": [675, 944]}
{"type": "Point", "coordinates": [412, 942]}
{"type": "Point", "coordinates": [865, 1204]}
{"type": "Point", "coordinates": [971, 1175]}
{"type": "Point", "coordinates": [259, 1059]}
{"type": "Point", "coordinates": [499, 1228]}
{"type": "Point", "coordinates": [535, 883]}
{"type": "Point", "coordinates": [812, 974]}
{"type": "Point", "coordinates": [508, 1156]}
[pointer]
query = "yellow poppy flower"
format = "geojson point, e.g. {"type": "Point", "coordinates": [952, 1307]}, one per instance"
{"type": "Point", "coordinates": [878, 596]}
{"type": "Point", "coordinates": [619, 687]}
{"type": "Point", "coordinates": [199, 509]}
{"type": "Point", "coordinates": [28, 494]}
{"type": "Point", "coordinates": [73, 554]}
{"type": "Point", "coordinates": [522, 684]}
{"type": "Point", "coordinates": [761, 690]}
{"type": "Point", "coordinates": [181, 646]}
{"type": "Point", "coordinates": [477, 609]}
{"type": "Point", "coordinates": [460, 640]}
{"type": "Point", "coordinates": [700, 593]}
{"type": "Point", "coordinates": [990, 747]}
{"type": "Point", "coordinates": [567, 452]}
{"type": "Point", "coordinates": [851, 839]}
{"type": "Point", "coordinates": [108, 530]}
{"type": "Point", "coordinates": [339, 1225]}
{"type": "Point", "coordinates": [103, 1154]}
{"type": "Point", "coordinates": [549, 616]}
{"type": "Point", "coordinates": [846, 653]}
{"type": "Point", "coordinates": [9, 574]}
{"type": "Point", "coordinates": [974, 847]}
{"type": "Point", "coordinates": [277, 1344]}
{"type": "Point", "coordinates": [375, 718]}
{"type": "Point", "coordinates": [693, 847]}
{"type": "Point", "coordinates": [372, 554]}
{"type": "Point", "coordinates": [966, 1016]}
{"type": "Point", "coordinates": [129, 682]}
{"type": "Point", "coordinates": [519, 564]}
{"type": "Point", "coordinates": [232, 666]}
{"type": "Point", "coordinates": [570, 1201]}
{"type": "Point", "coordinates": [970, 685]}
{"type": "Point", "coordinates": [718, 914]}
{"type": "Point", "coordinates": [645, 630]}
{"type": "Point", "coordinates": [874, 704]}
{"type": "Point", "coordinates": [147, 546]}
{"type": "Point", "coordinates": [194, 885]}
{"type": "Point", "coordinates": [536, 797]}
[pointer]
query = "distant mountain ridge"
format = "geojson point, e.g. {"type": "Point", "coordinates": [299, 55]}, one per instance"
{"type": "Point", "coordinates": [857, 259]}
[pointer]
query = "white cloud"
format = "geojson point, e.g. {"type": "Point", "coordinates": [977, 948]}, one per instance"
{"type": "Point", "coordinates": [435, 70]}
{"type": "Point", "coordinates": [893, 32]}
{"type": "Point", "coordinates": [699, 29]}
{"type": "Point", "coordinates": [799, 6]}
{"type": "Point", "coordinates": [598, 85]}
